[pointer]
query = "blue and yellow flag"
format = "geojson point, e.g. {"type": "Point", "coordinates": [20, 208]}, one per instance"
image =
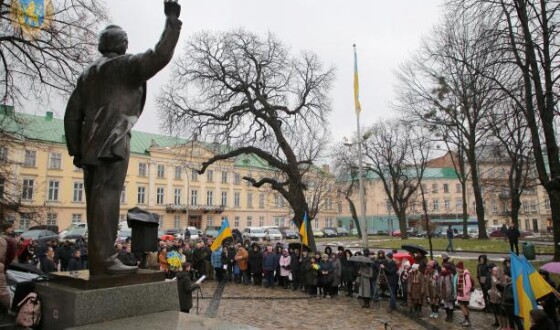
{"type": "Point", "coordinates": [528, 286]}
{"type": "Point", "coordinates": [357, 105]}
{"type": "Point", "coordinates": [224, 233]}
{"type": "Point", "coordinates": [303, 230]}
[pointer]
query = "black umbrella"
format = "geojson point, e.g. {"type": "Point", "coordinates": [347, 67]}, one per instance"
{"type": "Point", "coordinates": [412, 248]}
{"type": "Point", "coordinates": [361, 259]}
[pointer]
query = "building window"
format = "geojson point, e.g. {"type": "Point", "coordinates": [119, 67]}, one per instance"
{"type": "Point", "coordinates": [54, 187]}
{"type": "Point", "coordinates": [210, 221]}
{"type": "Point", "coordinates": [236, 199]}
{"type": "Point", "coordinates": [447, 204]}
{"type": "Point", "coordinates": [51, 219]}
{"type": "Point", "coordinates": [224, 177]}
{"type": "Point", "coordinates": [249, 200]}
{"type": "Point", "coordinates": [24, 222]}
{"type": "Point", "coordinates": [547, 204]}
{"type": "Point", "coordinates": [434, 187]}
{"type": "Point", "coordinates": [142, 169]}
{"type": "Point", "coordinates": [316, 223]}
{"type": "Point", "coordinates": [445, 188]}
{"type": "Point", "coordinates": [525, 207]}
{"type": "Point", "coordinates": [123, 194]}
{"type": "Point", "coordinates": [141, 195]}
{"type": "Point", "coordinates": [30, 158]}
{"type": "Point", "coordinates": [161, 171]}
{"type": "Point", "coordinates": [194, 197]}
{"type": "Point", "coordinates": [279, 221]}
{"type": "Point", "coordinates": [55, 160]}
{"type": "Point", "coordinates": [459, 204]}
{"type": "Point", "coordinates": [527, 224]}
{"type": "Point", "coordinates": [209, 198]}
{"type": "Point", "coordinates": [27, 192]}
{"type": "Point", "coordinates": [194, 175]}
{"type": "Point", "coordinates": [533, 206]}
{"type": "Point", "coordinates": [458, 188]}
{"type": "Point", "coordinates": [435, 205]}
{"type": "Point", "coordinates": [178, 171]}
{"type": "Point", "coordinates": [224, 198]}
{"type": "Point", "coordinates": [177, 196]}
{"type": "Point", "coordinates": [277, 200]}
{"type": "Point", "coordinates": [78, 192]}
{"type": "Point", "coordinates": [161, 221]}
{"type": "Point", "coordinates": [210, 176]}
{"type": "Point", "coordinates": [494, 206]}
{"type": "Point", "coordinates": [261, 200]}
{"type": "Point", "coordinates": [249, 221]}
{"type": "Point", "coordinates": [177, 221]}
{"type": "Point", "coordinates": [236, 178]}
{"type": "Point", "coordinates": [261, 221]}
{"type": "Point", "coordinates": [3, 154]}
{"type": "Point", "coordinates": [329, 203]}
{"type": "Point", "coordinates": [159, 195]}
{"type": "Point", "coordinates": [236, 222]}
{"type": "Point", "coordinates": [76, 218]}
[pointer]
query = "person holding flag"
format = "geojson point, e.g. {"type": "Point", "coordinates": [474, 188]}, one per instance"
{"type": "Point", "coordinates": [528, 286]}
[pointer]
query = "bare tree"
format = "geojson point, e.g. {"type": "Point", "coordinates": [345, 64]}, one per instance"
{"type": "Point", "coordinates": [248, 93]}
{"type": "Point", "coordinates": [529, 40]}
{"type": "Point", "coordinates": [449, 95]}
{"type": "Point", "coordinates": [399, 160]}
{"type": "Point", "coordinates": [52, 58]}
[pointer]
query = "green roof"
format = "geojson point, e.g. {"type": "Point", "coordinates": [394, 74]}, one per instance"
{"type": "Point", "coordinates": [429, 173]}
{"type": "Point", "coordinates": [51, 130]}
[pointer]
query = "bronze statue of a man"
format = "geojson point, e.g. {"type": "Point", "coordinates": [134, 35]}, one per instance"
{"type": "Point", "coordinates": [108, 99]}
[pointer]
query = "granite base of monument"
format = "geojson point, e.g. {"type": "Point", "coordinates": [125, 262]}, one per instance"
{"type": "Point", "coordinates": [64, 306]}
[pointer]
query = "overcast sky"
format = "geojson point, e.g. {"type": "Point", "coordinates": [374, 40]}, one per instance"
{"type": "Point", "coordinates": [386, 32]}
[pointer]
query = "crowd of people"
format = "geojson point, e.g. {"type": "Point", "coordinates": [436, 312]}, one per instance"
{"type": "Point", "coordinates": [322, 275]}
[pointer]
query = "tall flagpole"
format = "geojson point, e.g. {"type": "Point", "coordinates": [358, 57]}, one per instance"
{"type": "Point", "coordinates": [363, 222]}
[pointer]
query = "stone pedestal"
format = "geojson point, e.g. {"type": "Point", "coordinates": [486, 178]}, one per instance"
{"type": "Point", "coordinates": [64, 307]}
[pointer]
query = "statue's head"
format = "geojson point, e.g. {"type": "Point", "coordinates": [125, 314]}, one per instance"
{"type": "Point", "coordinates": [113, 39]}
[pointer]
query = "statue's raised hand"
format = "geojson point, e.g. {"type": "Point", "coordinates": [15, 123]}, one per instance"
{"type": "Point", "coordinates": [172, 8]}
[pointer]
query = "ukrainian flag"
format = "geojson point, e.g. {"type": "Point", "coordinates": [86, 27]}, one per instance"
{"type": "Point", "coordinates": [357, 105]}
{"type": "Point", "coordinates": [303, 230]}
{"type": "Point", "coordinates": [528, 286]}
{"type": "Point", "coordinates": [224, 233]}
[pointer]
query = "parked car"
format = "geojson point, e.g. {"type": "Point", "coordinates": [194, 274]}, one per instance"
{"type": "Point", "coordinates": [74, 233]}
{"type": "Point", "coordinates": [329, 232]}
{"type": "Point", "coordinates": [341, 231]}
{"type": "Point", "coordinates": [290, 234]}
{"type": "Point", "coordinates": [318, 233]}
{"type": "Point", "coordinates": [253, 234]}
{"type": "Point", "coordinates": [273, 234]}
{"type": "Point", "coordinates": [176, 233]}
{"type": "Point", "coordinates": [193, 233]}
{"type": "Point", "coordinates": [211, 231]}
{"type": "Point", "coordinates": [396, 233]}
{"type": "Point", "coordinates": [354, 231]}
{"type": "Point", "coordinates": [39, 235]}
{"type": "Point", "coordinates": [52, 228]}
{"type": "Point", "coordinates": [498, 233]}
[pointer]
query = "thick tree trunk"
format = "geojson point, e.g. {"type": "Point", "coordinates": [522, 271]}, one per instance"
{"type": "Point", "coordinates": [465, 208]}
{"type": "Point", "coordinates": [402, 224]}
{"type": "Point", "coordinates": [515, 207]}
{"type": "Point", "coordinates": [354, 216]}
{"type": "Point", "coordinates": [554, 197]}
{"type": "Point", "coordinates": [478, 198]}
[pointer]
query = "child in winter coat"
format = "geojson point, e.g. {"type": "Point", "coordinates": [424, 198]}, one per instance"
{"type": "Point", "coordinates": [448, 294]}
{"type": "Point", "coordinates": [463, 285]}
{"type": "Point", "coordinates": [433, 288]}
{"type": "Point", "coordinates": [415, 290]}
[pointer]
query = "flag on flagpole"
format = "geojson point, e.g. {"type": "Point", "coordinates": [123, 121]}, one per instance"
{"type": "Point", "coordinates": [224, 233]}
{"type": "Point", "coordinates": [528, 286]}
{"type": "Point", "coordinates": [357, 106]}
{"type": "Point", "coordinates": [303, 230]}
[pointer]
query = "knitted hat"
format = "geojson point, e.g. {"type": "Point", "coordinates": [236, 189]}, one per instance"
{"type": "Point", "coordinates": [460, 265]}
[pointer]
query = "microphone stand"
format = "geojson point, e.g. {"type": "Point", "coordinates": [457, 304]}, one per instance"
{"type": "Point", "coordinates": [198, 294]}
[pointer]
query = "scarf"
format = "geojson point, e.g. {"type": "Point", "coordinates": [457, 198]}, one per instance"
{"type": "Point", "coordinates": [460, 283]}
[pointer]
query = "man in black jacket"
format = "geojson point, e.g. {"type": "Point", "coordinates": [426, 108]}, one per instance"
{"type": "Point", "coordinates": [185, 287]}
{"type": "Point", "coordinates": [390, 268]}
{"type": "Point", "coordinates": [513, 237]}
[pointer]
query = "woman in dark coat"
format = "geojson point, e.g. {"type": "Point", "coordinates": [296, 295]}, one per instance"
{"type": "Point", "coordinates": [348, 275]}
{"type": "Point", "coordinates": [256, 264]}
{"type": "Point", "coordinates": [325, 275]}
{"type": "Point", "coordinates": [185, 287]}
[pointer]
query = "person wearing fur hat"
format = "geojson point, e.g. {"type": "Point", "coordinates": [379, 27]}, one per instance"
{"type": "Point", "coordinates": [433, 288]}
{"type": "Point", "coordinates": [415, 290]}
{"type": "Point", "coordinates": [463, 285]}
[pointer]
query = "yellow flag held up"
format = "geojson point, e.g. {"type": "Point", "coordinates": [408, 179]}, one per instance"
{"type": "Point", "coordinates": [357, 105]}
{"type": "Point", "coordinates": [303, 231]}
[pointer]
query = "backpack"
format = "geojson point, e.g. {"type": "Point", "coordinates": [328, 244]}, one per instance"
{"type": "Point", "coordinates": [29, 311]}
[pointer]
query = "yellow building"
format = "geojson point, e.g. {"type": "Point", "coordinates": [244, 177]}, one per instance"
{"type": "Point", "coordinates": [161, 178]}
